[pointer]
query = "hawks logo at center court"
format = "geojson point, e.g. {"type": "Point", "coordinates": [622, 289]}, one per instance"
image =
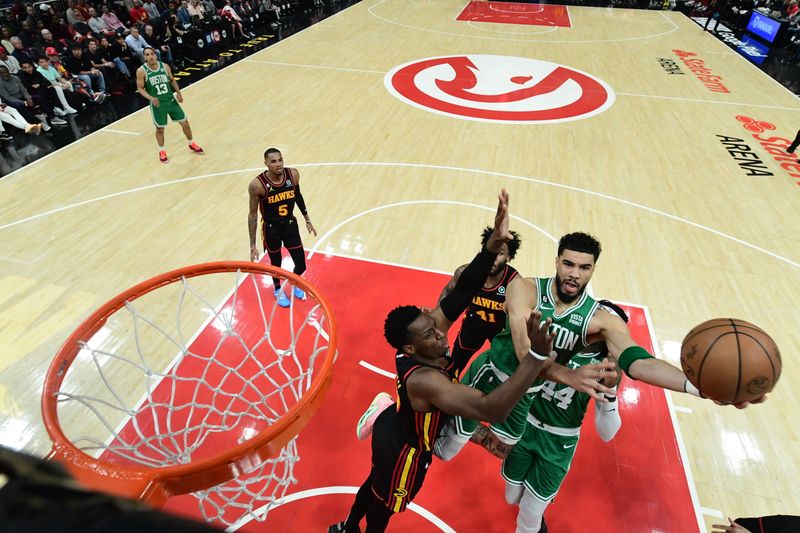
{"type": "Point", "coordinates": [499, 89]}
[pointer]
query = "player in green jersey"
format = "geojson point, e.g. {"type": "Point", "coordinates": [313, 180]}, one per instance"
{"type": "Point", "coordinates": [155, 82]}
{"type": "Point", "coordinates": [564, 298]}
{"type": "Point", "coordinates": [537, 465]}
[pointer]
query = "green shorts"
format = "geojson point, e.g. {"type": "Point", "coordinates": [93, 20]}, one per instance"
{"type": "Point", "coordinates": [481, 375]}
{"type": "Point", "coordinates": [540, 461]}
{"type": "Point", "coordinates": [172, 110]}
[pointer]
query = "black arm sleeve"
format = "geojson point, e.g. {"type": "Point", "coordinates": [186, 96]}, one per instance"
{"type": "Point", "coordinates": [298, 198]}
{"type": "Point", "coordinates": [470, 282]}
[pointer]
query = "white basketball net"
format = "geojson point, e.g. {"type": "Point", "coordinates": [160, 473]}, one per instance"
{"type": "Point", "coordinates": [161, 398]}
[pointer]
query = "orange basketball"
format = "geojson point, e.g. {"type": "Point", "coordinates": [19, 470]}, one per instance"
{"type": "Point", "coordinates": [730, 360]}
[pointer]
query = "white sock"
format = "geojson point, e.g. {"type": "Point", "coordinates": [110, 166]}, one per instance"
{"type": "Point", "coordinates": [531, 511]}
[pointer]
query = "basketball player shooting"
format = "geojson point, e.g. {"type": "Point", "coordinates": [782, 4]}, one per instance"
{"type": "Point", "coordinates": [427, 389]}
{"type": "Point", "coordinates": [155, 82]}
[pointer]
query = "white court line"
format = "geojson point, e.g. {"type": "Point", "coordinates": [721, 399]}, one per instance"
{"type": "Point", "coordinates": [682, 409]}
{"type": "Point", "coordinates": [550, 29]}
{"type": "Point", "coordinates": [712, 512]}
{"type": "Point", "coordinates": [390, 21]}
{"type": "Point", "coordinates": [682, 99]}
{"type": "Point", "coordinates": [436, 167]}
{"type": "Point", "coordinates": [335, 228]}
{"type": "Point", "coordinates": [120, 131]}
{"type": "Point", "coordinates": [677, 429]}
{"type": "Point", "coordinates": [321, 491]}
{"type": "Point", "coordinates": [377, 370]}
{"type": "Point", "coordinates": [281, 63]}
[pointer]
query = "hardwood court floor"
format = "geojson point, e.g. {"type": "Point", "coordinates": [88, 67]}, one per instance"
{"type": "Point", "coordinates": [686, 231]}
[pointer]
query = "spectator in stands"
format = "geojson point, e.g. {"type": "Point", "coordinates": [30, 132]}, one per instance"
{"type": "Point", "coordinates": [27, 36]}
{"type": "Point", "coordinates": [61, 87]}
{"type": "Point", "coordinates": [5, 39]}
{"type": "Point", "coordinates": [138, 14]}
{"type": "Point", "coordinates": [46, 15]}
{"type": "Point", "coordinates": [31, 16]}
{"type": "Point", "coordinates": [184, 17]}
{"type": "Point", "coordinates": [82, 68]}
{"type": "Point", "coordinates": [83, 9]}
{"type": "Point", "coordinates": [80, 28]}
{"type": "Point", "coordinates": [20, 52]}
{"type": "Point", "coordinates": [173, 33]}
{"type": "Point", "coordinates": [31, 107]}
{"type": "Point", "coordinates": [99, 59]}
{"type": "Point", "coordinates": [84, 94]}
{"type": "Point", "coordinates": [71, 12]}
{"type": "Point", "coordinates": [10, 62]}
{"type": "Point", "coordinates": [11, 116]}
{"type": "Point", "coordinates": [49, 42]}
{"type": "Point", "coordinates": [235, 20]}
{"type": "Point", "coordinates": [97, 25]}
{"type": "Point", "coordinates": [196, 11]}
{"type": "Point", "coordinates": [137, 44]}
{"type": "Point", "coordinates": [209, 10]}
{"type": "Point", "coordinates": [61, 29]}
{"type": "Point", "coordinates": [153, 16]}
{"type": "Point", "coordinates": [111, 20]}
{"type": "Point", "coordinates": [121, 51]}
{"type": "Point", "coordinates": [158, 43]}
{"type": "Point", "coordinates": [36, 84]}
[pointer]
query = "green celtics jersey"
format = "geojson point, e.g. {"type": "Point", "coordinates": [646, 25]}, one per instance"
{"type": "Point", "coordinates": [559, 405]}
{"type": "Point", "coordinates": [157, 83]}
{"type": "Point", "coordinates": [570, 328]}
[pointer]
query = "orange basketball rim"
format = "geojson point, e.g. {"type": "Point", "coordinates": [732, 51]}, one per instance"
{"type": "Point", "coordinates": [156, 485]}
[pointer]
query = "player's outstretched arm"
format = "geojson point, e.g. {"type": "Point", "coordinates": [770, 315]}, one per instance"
{"type": "Point", "coordinates": [474, 275]}
{"type": "Point", "coordinates": [430, 388]}
{"type": "Point", "coordinates": [451, 284]}
{"type": "Point", "coordinates": [634, 360]}
{"type": "Point", "coordinates": [521, 296]}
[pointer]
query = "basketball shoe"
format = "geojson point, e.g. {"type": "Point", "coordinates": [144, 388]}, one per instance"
{"type": "Point", "coordinates": [299, 293]}
{"type": "Point", "coordinates": [162, 156]}
{"type": "Point", "coordinates": [194, 147]}
{"type": "Point", "coordinates": [283, 301]}
{"type": "Point", "coordinates": [367, 420]}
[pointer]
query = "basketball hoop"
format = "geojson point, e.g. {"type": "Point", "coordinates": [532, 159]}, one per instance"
{"type": "Point", "coordinates": [136, 407]}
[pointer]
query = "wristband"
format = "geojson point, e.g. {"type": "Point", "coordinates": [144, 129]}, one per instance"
{"type": "Point", "coordinates": [538, 356]}
{"type": "Point", "coordinates": [689, 387]}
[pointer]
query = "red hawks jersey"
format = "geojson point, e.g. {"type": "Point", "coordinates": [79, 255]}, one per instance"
{"type": "Point", "coordinates": [278, 203]}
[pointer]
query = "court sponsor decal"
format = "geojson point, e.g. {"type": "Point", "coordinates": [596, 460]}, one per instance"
{"type": "Point", "coordinates": [701, 72]}
{"type": "Point", "coordinates": [747, 159]}
{"type": "Point", "coordinates": [507, 89]}
{"type": "Point", "coordinates": [775, 146]}
{"type": "Point", "coordinates": [670, 66]}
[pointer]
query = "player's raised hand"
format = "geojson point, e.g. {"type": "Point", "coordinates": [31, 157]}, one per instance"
{"type": "Point", "coordinates": [501, 234]}
{"type": "Point", "coordinates": [540, 335]}
{"type": "Point", "coordinates": [590, 379]}
{"type": "Point", "coordinates": [254, 254]}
